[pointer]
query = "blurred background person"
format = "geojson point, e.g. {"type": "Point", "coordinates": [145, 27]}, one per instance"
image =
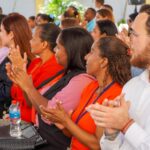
{"type": "Point", "coordinates": [104, 14]}
{"type": "Point", "coordinates": [43, 19]}
{"type": "Point", "coordinates": [104, 28]}
{"type": "Point", "coordinates": [31, 23]}
{"type": "Point", "coordinates": [99, 3]}
{"type": "Point", "coordinates": [89, 19]}
{"type": "Point", "coordinates": [68, 22]}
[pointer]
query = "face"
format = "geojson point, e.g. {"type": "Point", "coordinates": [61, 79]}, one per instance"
{"type": "Point", "coordinates": [70, 10]}
{"type": "Point", "coordinates": [39, 21]}
{"type": "Point", "coordinates": [96, 34]}
{"type": "Point", "coordinates": [6, 38]}
{"type": "Point", "coordinates": [61, 54]}
{"type": "Point", "coordinates": [31, 23]}
{"type": "Point", "coordinates": [140, 41]}
{"type": "Point", "coordinates": [97, 4]}
{"type": "Point", "coordinates": [93, 60]}
{"type": "Point", "coordinates": [88, 15]}
{"type": "Point", "coordinates": [36, 42]}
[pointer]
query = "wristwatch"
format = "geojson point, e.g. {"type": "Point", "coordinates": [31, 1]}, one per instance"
{"type": "Point", "coordinates": [112, 136]}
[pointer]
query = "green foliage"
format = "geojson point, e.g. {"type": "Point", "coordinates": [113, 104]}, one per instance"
{"type": "Point", "coordinates": [57, 7]}
{"type": "Point", "coordinates": [122, 21]}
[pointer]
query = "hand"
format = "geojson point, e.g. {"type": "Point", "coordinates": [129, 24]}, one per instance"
{"type": "Point", "coordinates": [111, 103]}
{"type": "Point", "coordinates": [9, 71]}
{"type": "Point", "coordinates": [56, 115]}
{"type": "Point", "coordinates": [16, 59]}
{"type": "Point", "coordinates": [123, 35]}
{"type": "Point", "coordinates": [21, 78]}
{"type": "Point", "coordinates": [108, 117]}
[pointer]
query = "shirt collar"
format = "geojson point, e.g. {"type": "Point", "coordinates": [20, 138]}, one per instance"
{"type": "Point", "coordinates": [145, 76]}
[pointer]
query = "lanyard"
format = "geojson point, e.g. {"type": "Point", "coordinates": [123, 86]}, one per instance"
{"type": "Point", "coordinates": [84, 112]}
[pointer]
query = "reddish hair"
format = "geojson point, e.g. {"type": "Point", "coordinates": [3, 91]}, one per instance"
{"type": "Point", "coordinates": [22, 34]}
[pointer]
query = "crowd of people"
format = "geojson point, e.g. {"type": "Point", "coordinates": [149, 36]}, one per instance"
{"type": "Point", "coordinates": [84, 84]}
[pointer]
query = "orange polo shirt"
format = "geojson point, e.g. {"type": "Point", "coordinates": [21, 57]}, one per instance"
{"type": "Point", "coordinates": [39, 74]}
{"type": "Point", "coordinates": [85, 121]}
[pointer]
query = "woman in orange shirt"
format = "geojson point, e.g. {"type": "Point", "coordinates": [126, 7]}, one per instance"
{"type": "Point", "coordinates": [109, 63]}
{"type": "Point", "coordinates": [42, 68]}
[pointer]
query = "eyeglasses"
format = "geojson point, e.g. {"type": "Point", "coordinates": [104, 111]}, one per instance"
{"type": "Point", "coordinates": [133, 33]}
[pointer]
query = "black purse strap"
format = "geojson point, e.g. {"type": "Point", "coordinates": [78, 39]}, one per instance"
{"type": "Point", "coordinates": [50, 79]}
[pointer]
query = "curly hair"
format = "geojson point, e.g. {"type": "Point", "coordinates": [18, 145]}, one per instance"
{"type": "Point", "coordinates": [118, 58]}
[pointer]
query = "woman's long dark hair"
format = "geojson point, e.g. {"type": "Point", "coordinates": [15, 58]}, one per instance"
{"type": "Point", "coordinates": [118, 57]}
{"type": "Point", "coordinates": [49, 33]}
{"type": "Point", "coordinates": [107, 27]}
{"type": "Point", "coordinates": [77, 42]}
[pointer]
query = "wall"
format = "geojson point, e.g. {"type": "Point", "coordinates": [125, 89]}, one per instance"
{"type": "Point", "coordinates": [25, 7]}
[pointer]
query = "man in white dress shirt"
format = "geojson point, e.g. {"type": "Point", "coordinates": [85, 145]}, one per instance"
{"type": "Point", "coordinates": [132, 122]}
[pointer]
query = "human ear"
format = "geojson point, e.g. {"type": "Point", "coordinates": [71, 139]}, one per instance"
{"type": "Point", "coordinates": [11, 35]}
{"type": "Point", "coordinates": [103, 62]}
{"type": "Point", "coordinates": [44, 44]}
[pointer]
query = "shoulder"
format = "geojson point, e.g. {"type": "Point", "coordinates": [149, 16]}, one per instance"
{"type": "Point", "coordinates": [133, 83]}
{"type": "Point", "coordinates": [84, 76]}
{"type": "Point", "coordinates": [35, 60]}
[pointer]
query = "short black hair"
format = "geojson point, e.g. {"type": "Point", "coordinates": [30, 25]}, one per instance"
{"type": "Point", "coordinates": [46, 17]}
{"type": "Point", "coordinates": [107, 27]}
{"type": "Point", "coordinates": [49, 32]}
{"type": "Point", "coordinates": [77, 42]}
{"type": "Point", "coordinates": [32, 18]}
{"type": "Point", "coordinates": [133, 16]}
{"type": "Point", "coordinates": [92, 10]}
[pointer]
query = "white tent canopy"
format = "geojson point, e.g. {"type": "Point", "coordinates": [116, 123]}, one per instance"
{"type": "Point", "coordinates": [27, 7]}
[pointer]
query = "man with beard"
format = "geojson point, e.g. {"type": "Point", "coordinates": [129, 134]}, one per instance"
{"type": "Point", "coordinates": [127, 123]}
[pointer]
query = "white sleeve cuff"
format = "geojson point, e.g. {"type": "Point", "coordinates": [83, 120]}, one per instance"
{"type": "Point", "coordinates": [135, 135]}
{"type": "Point", "coordinates": [111, 145]}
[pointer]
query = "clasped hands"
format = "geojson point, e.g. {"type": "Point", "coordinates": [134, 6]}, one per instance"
{"type": "Point", "coordinates": [111, 115]}
{"type": "Point", "coordinates": [16, 70]}
{"type": "Point", "coordinates": [56, 115]}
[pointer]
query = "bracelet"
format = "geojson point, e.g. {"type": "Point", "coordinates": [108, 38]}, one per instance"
{"type": "Point", "coordinates": [112, 136]}
{"type": "Point", "coordinates": [127, 125]}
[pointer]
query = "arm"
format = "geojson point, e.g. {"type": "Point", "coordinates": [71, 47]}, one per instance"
{"type": "Point", "coordinates": [24, 81]}
{"type": "Point", "coordinates": [58, 115]}
{"type": "Point", "coordinates": [71, 93]}
{"type": "Point", "coordinates": [131, 135]}
{"type": "Point", "coordinates": [87, 139]}
{"type": "Point", "coordinates": [27, 99]}
{"type": "Point", "coordinates": [34, 97]}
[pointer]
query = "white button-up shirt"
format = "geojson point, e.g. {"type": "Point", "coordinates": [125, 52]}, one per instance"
{"type": "Point", "coordinates": [137, 137]}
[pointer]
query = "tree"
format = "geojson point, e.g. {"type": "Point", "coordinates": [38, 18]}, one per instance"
{"type": "Point", "coordinates": [57, 7]}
